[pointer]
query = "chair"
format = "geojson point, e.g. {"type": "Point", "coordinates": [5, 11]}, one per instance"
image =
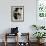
{"type": "Point", "coordinates": [25, 43]}
{"type": "Point", "coordinates": [14, 32]}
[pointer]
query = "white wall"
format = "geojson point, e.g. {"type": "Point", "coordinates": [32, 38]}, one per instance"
{"type": "Point", "coordinates": [29, 15]}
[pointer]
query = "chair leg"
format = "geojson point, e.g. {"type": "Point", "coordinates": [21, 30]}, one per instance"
{"type": "Point", "coordinates": [5, 40]}
{"type": "Point", "coordinates": [5, 43]}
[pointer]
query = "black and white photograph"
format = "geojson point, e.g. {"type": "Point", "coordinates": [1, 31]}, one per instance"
{"type": "Point", "coordinates": [17, 13]}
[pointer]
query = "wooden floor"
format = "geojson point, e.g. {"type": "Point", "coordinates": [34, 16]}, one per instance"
{"type": "Point", "coordinates": [13, 44]}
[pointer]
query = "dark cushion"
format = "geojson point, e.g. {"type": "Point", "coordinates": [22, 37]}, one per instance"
{"type": "Point", "coordinates": [14, 30]}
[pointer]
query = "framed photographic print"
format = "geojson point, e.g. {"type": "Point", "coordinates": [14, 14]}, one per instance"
{"type": "Point", "coordinates": [17, 13]}
{"type": "Point", "coordinates": [41, 8]}
{"type": "Point", "coordinates": [41, 12]}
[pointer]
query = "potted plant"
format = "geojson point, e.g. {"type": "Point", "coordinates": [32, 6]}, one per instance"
{"type": "Point", "coordinates": [38, 27]}
{"type": "Point", "coordinates": [39, 35]}
{"type": "Point", "coordinates": [35, 26]}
